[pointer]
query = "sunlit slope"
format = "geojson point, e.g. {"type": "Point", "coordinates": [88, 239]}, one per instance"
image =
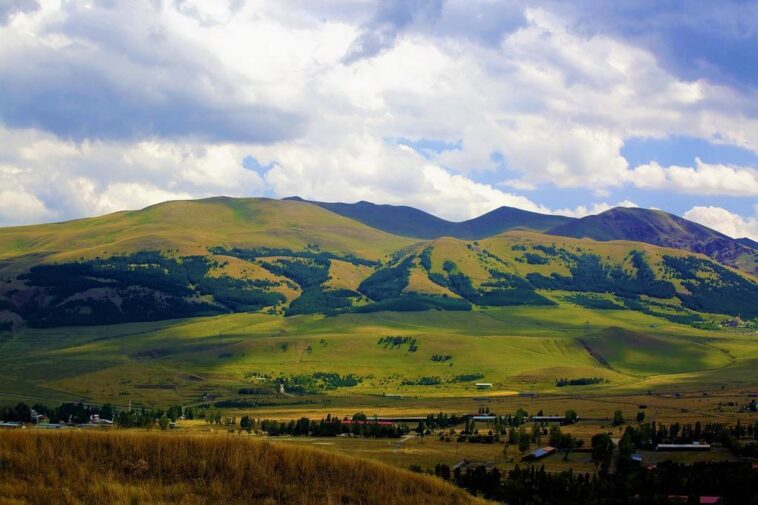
{"type": "Point", "coordinates": [180, 259]}
{"type": "Point", "coordinates": [190, 227]}
{"type": "Point", "coordinates": [527, 268]}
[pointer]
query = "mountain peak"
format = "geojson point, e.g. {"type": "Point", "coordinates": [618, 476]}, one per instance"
{"type": "Point", "coordinates": [657, 227]}
{"type": "Point", "coordinates": [411, 222]}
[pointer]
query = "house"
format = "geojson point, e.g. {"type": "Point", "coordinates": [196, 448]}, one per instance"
{"type": "Point", "coordinates": [707, 500]}
{"type": "Point", "coordinates": [548, 419]}
{"type": "Point", "coordinates": [483, 418]}
{"type": "Point", "coordinates": [483, 385]}
{"type": "Point", "coordinates": [733, 323]}
{"type": "Point", "coordinates": [396, 420]}
{"type": "Point", "coordinates": [538, 453]}
{"type": "Point", "coordinates": [95, 419]}
{"type": "Point", "coordinates": [50, 426]}
{"type": "Point", "coordinates": [702, 500]}
{"type": "Point", "coordinates": [471, 464]}
{"type": "Point", "coordinates": [368, 422]}
{"type": "Point", "coordinates": [683, 447]}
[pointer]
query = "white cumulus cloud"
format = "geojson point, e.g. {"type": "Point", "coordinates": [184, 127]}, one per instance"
{"type": "Point", "coordinates": [595, 208]}
{"type": "Point", "coordinates": [702, 179]}
{"type": "Point", "coordinates": [119, 103]}
{"type": "Point", "coordinates": [726, 222]}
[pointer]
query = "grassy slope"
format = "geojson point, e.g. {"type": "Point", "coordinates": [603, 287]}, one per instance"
{"type": "Point", "coordinates": [129, 468]}
{"type": "Point", "coordinates": [524, 348]}
{"type": "Point", "coordinates": [506, 249]}
{"type": "Point", "coordinates": [192, 226]}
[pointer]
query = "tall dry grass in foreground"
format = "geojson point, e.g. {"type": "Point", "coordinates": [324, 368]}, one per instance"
{"type": "Point", "coordinates": [140, 468]}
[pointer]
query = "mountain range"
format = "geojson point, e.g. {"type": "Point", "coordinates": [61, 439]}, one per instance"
{"type": "Point", "coordinates": [412, 222]}
{"type": "Point", "coordinates": [292, 257]}
{"type": "Point", "coordinates": [621, 223]}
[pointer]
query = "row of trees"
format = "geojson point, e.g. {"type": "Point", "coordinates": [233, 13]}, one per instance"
{"type": "Point", "coordinates": [79, 413]}
{"type": "Point", "coordinates": [137, 279]}
{"type": "Point", "coordinates": [74, 413]}
{"type": "Point", "coordinates": [734, 482]}
{"type": "Point", "coordinates": [648, 435]}
{"type": "Point", "coordinates": [329, 426]}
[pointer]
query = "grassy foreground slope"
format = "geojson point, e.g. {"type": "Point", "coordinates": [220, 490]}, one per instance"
{"type": "Point", "coordinates": [139, 468]}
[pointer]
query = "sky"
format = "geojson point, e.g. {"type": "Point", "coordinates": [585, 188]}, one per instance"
{"type": "Point", "coordinates": [456, 107]}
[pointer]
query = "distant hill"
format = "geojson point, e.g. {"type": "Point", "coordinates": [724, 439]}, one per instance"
{"type": "Point", "coordinates": [748, 242]}
{"type": "Point", "coordinates": [395, 219]}
{"type": "Point", "coordinates": [412, 222]}
{"type": "Point", "coordinates": [662, 229]}
{"type": "Point", "coordinates": [189, 227]}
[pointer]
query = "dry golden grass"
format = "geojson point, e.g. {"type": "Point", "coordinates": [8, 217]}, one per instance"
{"type": "Point", "coordinates": [138, 468]}
{"type": "Point", "coordinates": [419, 282]}
{"type": "Point", "coordinates": [345, 275]}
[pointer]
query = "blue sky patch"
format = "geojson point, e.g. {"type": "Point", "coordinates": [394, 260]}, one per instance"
{"type": "Point", "coordinates": [251, 163]}
{"type": "Point", "coordinates": [427, 147]}
{"type": "Point", "coordinates": [682, 151]}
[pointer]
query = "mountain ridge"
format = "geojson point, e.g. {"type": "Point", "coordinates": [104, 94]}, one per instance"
{"type": "Point", "coordinates": [412, 222]}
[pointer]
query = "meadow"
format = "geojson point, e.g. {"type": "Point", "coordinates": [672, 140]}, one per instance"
{"type": "Point", "coordinates": [516, 349]}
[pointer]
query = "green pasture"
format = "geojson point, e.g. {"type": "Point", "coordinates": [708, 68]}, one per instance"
{"type": "Point", "coordinates": [514, 348]}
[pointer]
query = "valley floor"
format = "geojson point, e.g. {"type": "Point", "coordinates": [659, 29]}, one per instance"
{"type": "Point", "coordinates": [373, 358]}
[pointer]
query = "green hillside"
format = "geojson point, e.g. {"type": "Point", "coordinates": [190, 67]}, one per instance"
{"type": "Point", "coordinates": [222, 255]}
{"type": "Point", "coordinates": [230, 298]}
{"type": "Point", "coordinates": [190, 227]}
